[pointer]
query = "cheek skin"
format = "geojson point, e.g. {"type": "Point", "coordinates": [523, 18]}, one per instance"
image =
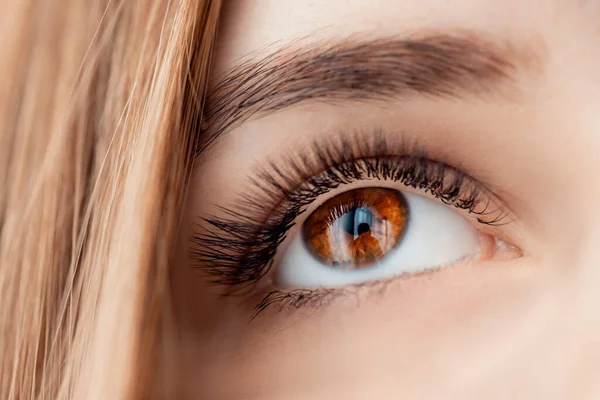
{"type": "Point", "coordinates": [375, 338]}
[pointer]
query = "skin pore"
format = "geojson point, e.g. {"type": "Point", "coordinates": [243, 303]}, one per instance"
{"type": "Point", "coordinates": [515, 106]}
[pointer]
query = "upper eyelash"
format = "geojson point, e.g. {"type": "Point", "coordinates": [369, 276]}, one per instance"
{"type": "Point", "coordinates": [237, 248]}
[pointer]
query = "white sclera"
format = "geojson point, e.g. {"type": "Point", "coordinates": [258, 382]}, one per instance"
{"type": "Point", "coordinates": [436, 236]}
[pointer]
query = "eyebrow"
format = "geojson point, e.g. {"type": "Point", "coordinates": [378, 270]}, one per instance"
{"type": "Point", "coordinates": [434, 65]}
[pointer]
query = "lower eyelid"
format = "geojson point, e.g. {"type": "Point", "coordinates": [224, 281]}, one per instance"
{"type": "Point", "coordinates": [286, 300]}
{"type": "Point", "coordinates": [269, 299]}
{"type": "Point", "coordinates": [290, 300]}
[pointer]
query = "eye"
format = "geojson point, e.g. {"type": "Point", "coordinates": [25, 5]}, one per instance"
{"type": "Point", "coordinates": [374, 233]}
{"type": "Point", "coordinates": [281, 239]}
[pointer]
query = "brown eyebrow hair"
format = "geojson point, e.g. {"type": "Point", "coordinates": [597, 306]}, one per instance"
{"type": "Point", "coordinates": [435, 65]}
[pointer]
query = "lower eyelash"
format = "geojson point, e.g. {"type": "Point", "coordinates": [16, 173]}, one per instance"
{"type": "Point", "coordinates": [315, 298]}
{"type": "Point", "coordinates": [237, 248]}
{"type": "Point", "coordinates": [293, 299]}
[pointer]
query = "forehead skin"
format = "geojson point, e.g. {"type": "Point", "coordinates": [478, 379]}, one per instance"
{"type": "Point", "coordinates": [486, 335]}
{"type": "Point", "coordinates": [249, 26]}
{"type": "Point", "coordinates": [560, 35]}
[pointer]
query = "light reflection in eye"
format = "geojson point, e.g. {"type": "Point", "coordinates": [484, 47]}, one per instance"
{"type": "Point", "coordinates": [356, 228]}
{"type": "Point", "coordinates": [373, 233]}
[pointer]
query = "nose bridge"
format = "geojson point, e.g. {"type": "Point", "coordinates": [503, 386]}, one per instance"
{"type": "Point", "coordinates": [584, 287]}
{"type": "Point", "coordinates": [575, 314]}
{"type": "Point", "coordinates": [587, 253]}
{"type": "Point", "coordinates": [584, 293]}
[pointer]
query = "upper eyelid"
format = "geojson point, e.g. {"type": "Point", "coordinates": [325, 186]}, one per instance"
{"type": "Point", "coordinates": [493, 207]}
{"type": "Point", "coordinates": [272, 180]}
{"type": "Point", "coordinates": [495, 216]}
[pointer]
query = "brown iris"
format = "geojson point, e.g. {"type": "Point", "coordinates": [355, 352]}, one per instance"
{"type": "Point", "coordinates": [356, 228]}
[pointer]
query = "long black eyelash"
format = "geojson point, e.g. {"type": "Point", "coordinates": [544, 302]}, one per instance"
{"type": "Point", "coordinates": [237, 247]}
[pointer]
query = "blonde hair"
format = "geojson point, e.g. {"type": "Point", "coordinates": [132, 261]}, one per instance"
{"type": "Point", "coordinates": [99, 110]}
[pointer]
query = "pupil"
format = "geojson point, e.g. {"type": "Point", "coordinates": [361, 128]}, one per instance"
{"type": "Point", "coordinates": [363, 228]}
{"type": "Point", "coordinates": [358, 221]}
